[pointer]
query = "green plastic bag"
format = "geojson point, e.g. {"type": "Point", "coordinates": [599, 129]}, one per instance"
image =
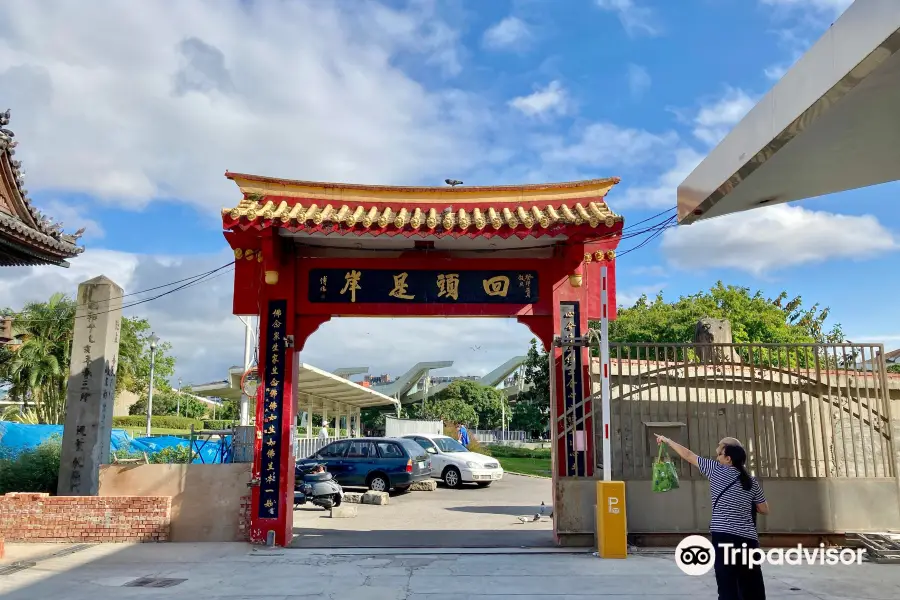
{"type": "Point", "coordinates": [665, 476]}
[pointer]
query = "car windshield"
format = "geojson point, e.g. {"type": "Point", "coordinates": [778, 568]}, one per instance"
{"type": "Point", "coordinates": [447, 444]}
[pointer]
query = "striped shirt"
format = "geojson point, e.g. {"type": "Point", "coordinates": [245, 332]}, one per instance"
{"type": "Point", "coordinates": [733, 512]}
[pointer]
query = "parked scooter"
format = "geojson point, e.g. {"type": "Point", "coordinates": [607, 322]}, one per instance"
{"type": "Point", "coordinates": [316, 485]}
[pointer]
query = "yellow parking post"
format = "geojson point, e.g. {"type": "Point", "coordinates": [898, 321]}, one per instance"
{"type": "Point", "coordinates": [612, 539]}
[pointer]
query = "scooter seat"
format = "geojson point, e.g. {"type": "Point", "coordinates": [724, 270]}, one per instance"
{"type": "Point", "coordinates": [316, 477]}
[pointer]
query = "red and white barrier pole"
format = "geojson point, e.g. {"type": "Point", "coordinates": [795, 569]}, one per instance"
{"type": "Point", "coordinates": [604, 373]}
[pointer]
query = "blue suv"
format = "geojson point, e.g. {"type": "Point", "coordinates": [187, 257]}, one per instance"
{"type": "Point", "coordinates": [380, 464]}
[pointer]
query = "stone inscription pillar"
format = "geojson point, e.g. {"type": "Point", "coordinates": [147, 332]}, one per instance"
{"type": "Point", "coordinates": [92, 387]}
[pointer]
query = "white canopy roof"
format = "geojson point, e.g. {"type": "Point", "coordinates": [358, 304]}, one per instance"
{"type": "Point", "coordinates": [327, 390]}
{"type": "Point", "coordinates": [828, 126]}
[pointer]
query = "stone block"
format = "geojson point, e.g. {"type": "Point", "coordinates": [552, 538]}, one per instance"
{"type": "Point", "coordinates": [377, 498]}
{"type": "Point", "coordinates": [428, 485]}
{"type": "Point", "coordinates": [352, 498]}
{"type": "Point", "coordinates": [344, 511]}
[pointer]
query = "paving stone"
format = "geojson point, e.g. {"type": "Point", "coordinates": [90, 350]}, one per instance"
{"type": "Point", "coordinates": [344, 511]}
{"type": "Point", "coordinates": [352, 498]}
{"type": "Point", "coordinates": [377, 498]}
{"type": "Point", "coordinates": [424, 486]}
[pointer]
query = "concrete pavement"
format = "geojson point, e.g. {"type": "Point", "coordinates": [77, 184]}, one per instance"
{"type": "Point", "coordinates": [236, 571]}
{"type": "Point", "coordinates": [469, 517]}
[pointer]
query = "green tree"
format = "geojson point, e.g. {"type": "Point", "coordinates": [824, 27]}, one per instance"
{"type": "Point", "coordinates": [450, 410]}
{"type": "Point", "coordinates": [231, 410]}
{"type": "Point", "coordinates": [134, 359]}
{"type": "Point", "coordinates": [169, 402]}
{"type": "Point", "coordinates": [528, 417]}
{"type": "Point", "coordinates": [36, 370]}
{"type": "Point", "coordinates": [753, 317]}
{"type": "Point", "coordinates": [893, 369]}
{"type": "Point", "coordinates": [488, 403]}
{"type": "Point", "coordinates": [531, 412]}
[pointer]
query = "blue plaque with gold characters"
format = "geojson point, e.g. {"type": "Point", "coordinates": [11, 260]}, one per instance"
{"type": "Point", "coordinates": [389, 286]}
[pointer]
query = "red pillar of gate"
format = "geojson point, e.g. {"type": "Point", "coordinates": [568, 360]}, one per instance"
{"type": "Point", "coordinates": [565, 292]}
{"type": "Point", "coordinates": [272, 494]}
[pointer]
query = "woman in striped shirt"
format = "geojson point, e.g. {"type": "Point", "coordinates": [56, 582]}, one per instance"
{"type": "Point", "coordinates": [736, 498]}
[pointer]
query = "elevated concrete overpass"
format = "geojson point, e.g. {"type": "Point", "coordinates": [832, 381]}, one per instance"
{"type": "Point", "coordinates": [829, 125]}
{"type": "Point", "coordinates": [492, 379]}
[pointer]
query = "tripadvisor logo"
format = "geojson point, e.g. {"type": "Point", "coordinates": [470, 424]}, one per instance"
{"type": "Point", "coordinates": [695, 555]}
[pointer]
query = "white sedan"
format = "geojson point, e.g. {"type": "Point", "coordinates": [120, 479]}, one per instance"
{"type": "Point", "coordinates": [452, 463]}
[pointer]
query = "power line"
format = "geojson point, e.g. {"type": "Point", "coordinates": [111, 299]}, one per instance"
{"type": "Point", "coordinates": [203, 278]}
{"type": "Point", "coordinates": [667, 224]}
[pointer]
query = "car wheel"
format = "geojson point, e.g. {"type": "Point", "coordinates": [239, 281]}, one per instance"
{"type": "Point", "coordinates": [378, 482]}
{"type": "Point", "coordinates": [484, 483]}
{"type": "Point", "coordinates": [452, 477]}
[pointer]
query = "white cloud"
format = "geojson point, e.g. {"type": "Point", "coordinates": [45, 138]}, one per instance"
{"type": "Point", "coordinates": [663, 192]}
{"type": "Point", "coordinates": [552, 99]}
{"type": "Point", "coordinates": [71, 218]}
{"type": "Point", "coordinates": [713, 121]}
{"type": "Point", "coordinates": [511, 32]}
{"type": "Point", "coordinates": [207, 339]}
{"type": "Point", "coordinates": [764, 240]}
{"type": "Point", "coordinates": [638, 80]}
{"type": "Point", "coordinates": [636, 19]}
{"type": "Point", "coordinates": [607, 145]}
{"type": "Point", "coordinates": [173, 94]}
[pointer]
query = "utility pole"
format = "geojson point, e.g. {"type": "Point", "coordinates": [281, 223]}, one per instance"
{"type": "Point", "coordinates": [153, 340]}
{"type": "Point", "coordinates": [178, 400]}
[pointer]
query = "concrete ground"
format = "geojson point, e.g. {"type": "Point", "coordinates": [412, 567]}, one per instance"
{"type": "Point", "coordinates": [469, 517]}
{"type": "Point", "coordinates": [234, 571]}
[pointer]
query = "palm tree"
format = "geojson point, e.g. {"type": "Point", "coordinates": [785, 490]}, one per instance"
{"type": "Point", "coordinates": [37, 367]}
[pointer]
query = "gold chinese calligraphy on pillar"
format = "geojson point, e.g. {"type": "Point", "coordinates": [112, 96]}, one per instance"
{"type": "Point", "coordinates": [273, 392]}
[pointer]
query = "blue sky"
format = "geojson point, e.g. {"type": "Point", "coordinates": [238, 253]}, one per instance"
{"type": "Point", "coordinates": [130, 133]}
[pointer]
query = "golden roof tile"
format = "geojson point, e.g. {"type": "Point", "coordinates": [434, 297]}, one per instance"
{"type": "Point", "coordinates": [299, 204]}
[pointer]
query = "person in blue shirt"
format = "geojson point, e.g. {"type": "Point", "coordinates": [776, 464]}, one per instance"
{"type": "Point", "coordinates": [463, 434]}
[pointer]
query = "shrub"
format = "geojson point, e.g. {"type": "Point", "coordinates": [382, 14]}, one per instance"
{"type": "Point", "coordinates": [219, 424]}
{"type": "Point", "coordinates": [162, 422]}
{"type": "Point", "coordinates": [500, 451]}
{"type": "Point", "coordinates": [32, 470]}
{"type": "Point", "coordinates": [171, 455]}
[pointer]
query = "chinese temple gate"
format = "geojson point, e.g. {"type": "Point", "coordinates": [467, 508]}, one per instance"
{"type": "Point", "coordinates": [306, 252]}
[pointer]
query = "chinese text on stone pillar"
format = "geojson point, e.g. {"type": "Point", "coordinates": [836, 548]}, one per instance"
{"type": "Point", "coordinates": [92, 387]}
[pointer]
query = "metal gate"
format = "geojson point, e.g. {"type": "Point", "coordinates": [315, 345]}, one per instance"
{"type": "Point", "coordinates": [800, 410]}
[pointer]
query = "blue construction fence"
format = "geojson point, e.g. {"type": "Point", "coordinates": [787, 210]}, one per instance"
{"type": "Point", "coordinates": [16, 437]}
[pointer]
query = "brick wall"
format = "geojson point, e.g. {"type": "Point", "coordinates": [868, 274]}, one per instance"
{"type": "Point", "coordinates": [43, 518]}
{"type": "Point", "coordinates": [244, 519]}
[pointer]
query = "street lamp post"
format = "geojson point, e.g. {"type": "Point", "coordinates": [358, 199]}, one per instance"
{"type": "Point", "coordinates": [178, 400]}
{"type": "Point", "coordinates": [153, 341]}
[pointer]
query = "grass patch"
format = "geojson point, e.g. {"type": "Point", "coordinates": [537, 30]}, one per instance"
{"type": "Point", "coordinates": [527, 466]}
